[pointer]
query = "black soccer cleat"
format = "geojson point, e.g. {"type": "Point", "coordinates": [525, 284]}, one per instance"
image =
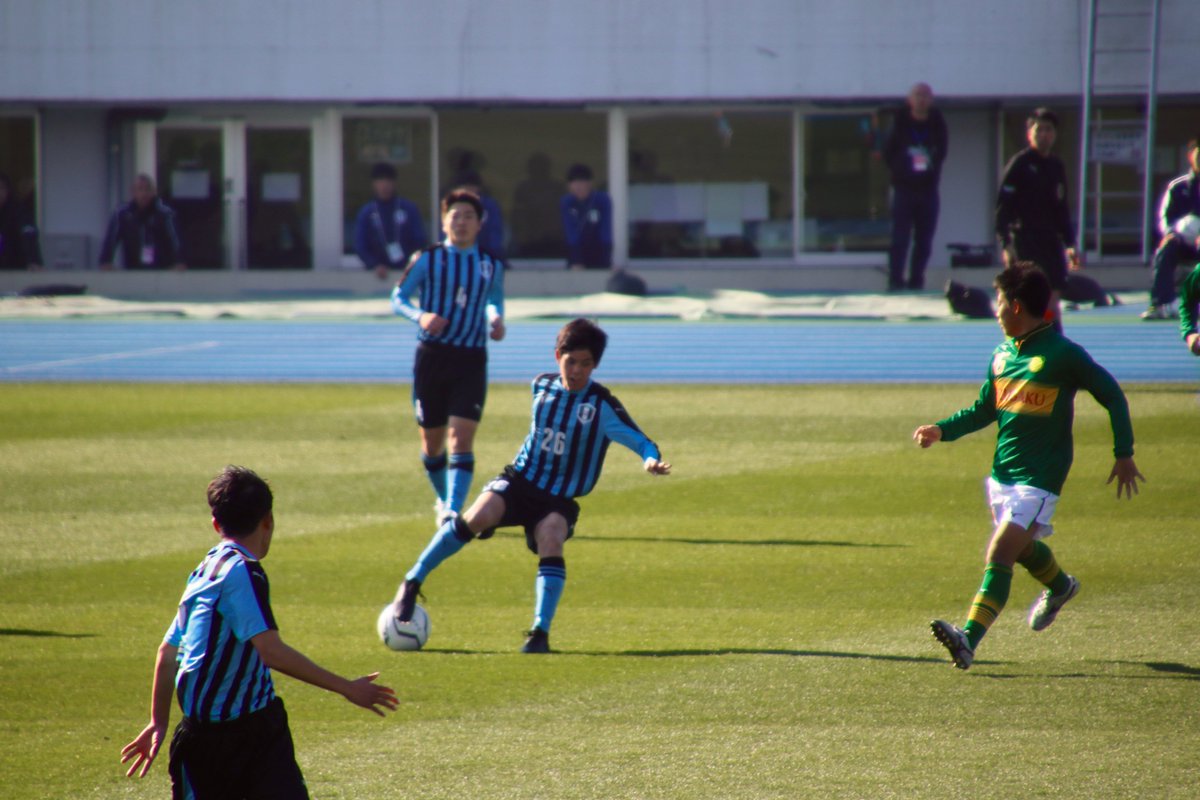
{"type": "Point", "coordinates": [406, 599]}
{"type": "Point", "coordinates": [536, 641]}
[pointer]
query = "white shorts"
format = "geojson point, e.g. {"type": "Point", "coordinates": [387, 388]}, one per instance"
{"type": "Point", "coordinates": [1024, 505]}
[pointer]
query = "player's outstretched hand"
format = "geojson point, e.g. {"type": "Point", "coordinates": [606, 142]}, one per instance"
{"type": "Point", "coordinates": [498, 330]}
{"type": "Point", "coordinates": [364, 692]}
{"type": "Point", "coordinates": [927, 435]}
{"type": "Point", "coordinates": [1127, 476]}
{"type": "Point", "coordinates": [1193, 342]}
{"type": "Point", "coordinates": [656, 467]}
{"type": "Point", "coordinates": [143, 750]}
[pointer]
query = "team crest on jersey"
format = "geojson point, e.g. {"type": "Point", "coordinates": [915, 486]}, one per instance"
{"type": "Point", "coordinates": [485, 268]}
{"type": "Point", "coordinates": [585, 413]}
{"type": "Point", "coordinates": [1036, 363]}
{"type": "Point", "coordinates": [400, 216]}
{"type": "Point", "coordinates": [998, 363]}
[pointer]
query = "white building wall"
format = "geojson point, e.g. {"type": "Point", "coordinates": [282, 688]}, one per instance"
{"type": "Point", "coordinates": [552, 50]}
{"type": "Point", "coordinates": [970, 179]}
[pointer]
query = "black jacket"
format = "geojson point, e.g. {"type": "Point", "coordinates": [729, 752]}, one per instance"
{"type": "Point", "coordinates": [134, 228]}
{"type": "Point", "coordinates": [1181, 198]}
{"type": "Point", "coordinates": [19, 245]}
{"type": "Point", "coordinates": [1033, 199]}
{"type": "Point", "coordinates": [914, 151]}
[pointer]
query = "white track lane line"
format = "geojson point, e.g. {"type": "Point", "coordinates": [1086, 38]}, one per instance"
{"type": "Point", "coordinates": [152, 351]}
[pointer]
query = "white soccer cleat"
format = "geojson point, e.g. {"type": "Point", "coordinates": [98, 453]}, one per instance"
{"type": "Point", "coordinates": [955, 641]}
{"type": "Point", "coordinates": [1047, 606]}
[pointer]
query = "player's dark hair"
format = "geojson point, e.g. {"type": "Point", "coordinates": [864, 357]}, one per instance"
{"type": "Point", "coordinates": [1025, 283]}
{"type": "Point", "coordinates": [1041, 114]}
{"type": "Point", "coordinates": [383, 171]}
{"type": "Point", "coordinates": [462, 196]}
{"type": "Point", "coordinates": [582, 334]}
{"type": "Point", "coordinates": [239, 500]}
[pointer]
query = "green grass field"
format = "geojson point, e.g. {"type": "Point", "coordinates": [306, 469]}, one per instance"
{"type": "Point", "coordinates": [753, 626]}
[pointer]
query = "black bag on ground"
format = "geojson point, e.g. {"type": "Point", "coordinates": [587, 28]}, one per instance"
{"type": "Point", "coordinates": [968, 300]}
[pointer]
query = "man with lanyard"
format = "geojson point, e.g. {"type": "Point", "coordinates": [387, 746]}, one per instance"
{"type": "Point", "coordinates": [389, 229]}
{"type": "Point", "coordinates": [145, 230]}
{"type": "Point", "coordinates": [1180, 205]}
{"type": "Point", "coordinates": [461, 305]}
{"type": "Point", "coordinates": [914, 153]}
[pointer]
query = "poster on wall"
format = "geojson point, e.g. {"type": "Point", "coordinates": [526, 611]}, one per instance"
{"type": "Point", "coordinates": [383, 140]}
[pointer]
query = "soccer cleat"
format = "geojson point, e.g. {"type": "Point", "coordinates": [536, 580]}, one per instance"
{"type": "Point", "coordinates": [406, 599]}
{"type": "Point", "coordinates": [1047, 606]}
{"type": "Point", "coordinates": [1158, 312]}
{"type": "Point", "coordinates": [536, 641]}
{"type": "Point", "coordinates": [955, 641]}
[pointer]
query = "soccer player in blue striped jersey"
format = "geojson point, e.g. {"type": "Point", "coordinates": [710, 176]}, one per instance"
{"type": "Point", "coordinates": [218, 655]}
{"type": "Point", "coordinates": [574, 421]}
{"type": "Point", "coordinates": [461, 304]}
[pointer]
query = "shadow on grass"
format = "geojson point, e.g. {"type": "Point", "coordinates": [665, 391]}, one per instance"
{"type": "Point", "coordinates": [699, 653]}
{"type": "Point", "coordinates": [1171, 670]}
{"type": "Point", "coordinates": [743, 542]}
{"type": "Point", "coordinates": [58, 634]}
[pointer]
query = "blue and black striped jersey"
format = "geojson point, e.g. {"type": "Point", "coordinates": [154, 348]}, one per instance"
{"type": "Point", "coordinates": [465, 287]}
{"type": "Point", "coordinates": [220, 676]}
{"type": "Point", "coordinates": [569, 436]}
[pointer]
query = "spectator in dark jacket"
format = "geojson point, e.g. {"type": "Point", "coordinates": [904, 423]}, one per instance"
{"type": "Point", "coordinates": [914, 152]}
{"type": "Point", "coordinates": [388, 230]}
{"type": "Point", "coordinates": [19, 247]}
{"type": "Point", "coordinates": [586, 220]}
{"type": "Point", "coordinates": [145, 230]}
{"type": "Point", "coordinates": [491, 237]}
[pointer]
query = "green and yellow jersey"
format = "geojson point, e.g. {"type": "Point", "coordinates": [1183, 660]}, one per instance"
{"type": "Point", "coordinates": [1030, 393]}
{"type": "Point", "coordinates": [1189, 303]}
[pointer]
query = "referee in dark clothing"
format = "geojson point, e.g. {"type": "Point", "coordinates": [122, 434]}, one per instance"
{"type": "Point", "coordinates": [1033, 221]}
{"type": "Point", "coordinates": [217, 657]}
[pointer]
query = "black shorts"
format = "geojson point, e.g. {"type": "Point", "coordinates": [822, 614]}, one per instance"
{"type": "Point", "coordinates": [526, 505]}
{"type": "Point", "coordinates": [251, 756]}
{"type": "Point", "coordinates": [448, 382]}
{"type": "Point", "coordinates": [1046, 250]}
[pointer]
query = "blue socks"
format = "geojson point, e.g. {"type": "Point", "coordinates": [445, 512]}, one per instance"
{"type": "Point", "coordinates": [551, 577]}
{"type": "Point", "coordinates": [461, 472]}
{"type": "Point", "coordinates": [449, 539]}
{"type": "Point", "coordinates": [435, 469]}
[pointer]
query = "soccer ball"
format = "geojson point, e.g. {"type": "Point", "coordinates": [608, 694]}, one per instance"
{"type": "Point", "coordinates": [1188, 228]}
{"type": "Point", "coordinates": [398, 635]}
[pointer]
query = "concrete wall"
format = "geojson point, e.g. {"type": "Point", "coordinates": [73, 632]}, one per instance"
{"type": "Point", "coordinates": [147, 51]}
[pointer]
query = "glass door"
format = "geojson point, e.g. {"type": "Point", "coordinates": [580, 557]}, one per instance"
{"type": "Point", "coordinates": [278, 199]}
{"type": "Point", "coordinates": [189, 172]}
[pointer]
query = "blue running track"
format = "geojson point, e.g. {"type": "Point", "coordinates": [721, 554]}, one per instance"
{"type": "Point", "coordinates": [381, 350]}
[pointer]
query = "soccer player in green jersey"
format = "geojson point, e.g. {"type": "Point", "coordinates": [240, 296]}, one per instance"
{"type": "Point", "coordinates": [1189, 311]}
{"type": "Point", "coordinates": [1030, 394]}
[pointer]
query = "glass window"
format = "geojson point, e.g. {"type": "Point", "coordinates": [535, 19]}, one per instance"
{"type": "Point", "coordinates": [404, 143]}
{"type": "Point", "coordinates": [845, 184]}
{"type": "Point", "coordinates": [18, 161]}
{"type": "Point", "coordinates": [713, 185]}
{"type": "Point", "coordinates": [522, 157]}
